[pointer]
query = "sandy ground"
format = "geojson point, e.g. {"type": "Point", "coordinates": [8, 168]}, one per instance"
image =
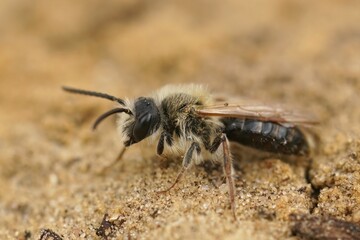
{"type": "Point", "coordinates": [303, 54]}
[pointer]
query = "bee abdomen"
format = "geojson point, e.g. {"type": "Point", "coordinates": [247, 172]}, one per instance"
{"type": "Point", "coordinates": [267, 136]}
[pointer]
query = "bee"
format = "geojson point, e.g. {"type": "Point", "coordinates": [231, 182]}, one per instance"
{"type": "Point", "coordinates": [186, 120]}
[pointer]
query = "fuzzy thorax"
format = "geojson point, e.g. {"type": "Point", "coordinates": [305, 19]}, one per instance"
{"type": "Point", "coordinates": [176, 105]}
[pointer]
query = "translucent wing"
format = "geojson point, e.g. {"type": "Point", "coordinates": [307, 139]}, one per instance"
{"type": "Point", "coordinates": [257, 112]}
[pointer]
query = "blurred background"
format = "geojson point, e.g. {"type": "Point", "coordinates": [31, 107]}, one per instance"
{"type": "Point", "coordinates": [133, 47]}
{"type": "Point", "coordinates": [304, 54]}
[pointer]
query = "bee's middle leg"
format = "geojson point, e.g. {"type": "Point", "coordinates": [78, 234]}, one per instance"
{"type": "Point", "coordinates": [185, 164]}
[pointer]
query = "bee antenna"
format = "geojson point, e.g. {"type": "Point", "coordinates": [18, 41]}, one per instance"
{"type": "Point", "coordinates": [108, 113]}
{"type": "Point", "coordinates": [95, 94]}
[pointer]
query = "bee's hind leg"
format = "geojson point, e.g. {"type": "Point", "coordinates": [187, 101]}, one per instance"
{"type": "Point", "coordinates": [228, 170]}
{"type": "Point", "coordinates": [185, 165]}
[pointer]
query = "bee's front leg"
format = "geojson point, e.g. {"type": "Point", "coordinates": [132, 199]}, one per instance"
{"type": "Point", "coordinates": [114, 162]}
{"type": "Point", "coordinates": [165, 136]}
{"type": "Point", "coordinates": [185, 164]}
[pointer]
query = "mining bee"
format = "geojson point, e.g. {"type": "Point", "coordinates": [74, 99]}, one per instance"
{"type": "Point", "coordinates": [186, 120]}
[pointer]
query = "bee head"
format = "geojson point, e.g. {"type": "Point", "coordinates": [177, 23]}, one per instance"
{"type": "Point", "coordinates": [144, 122]}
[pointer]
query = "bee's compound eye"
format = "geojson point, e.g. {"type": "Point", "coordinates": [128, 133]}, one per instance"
{"type": "Point", "coordinates": [147, 119]}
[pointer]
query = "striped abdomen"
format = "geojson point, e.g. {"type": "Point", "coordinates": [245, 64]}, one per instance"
{"type": "Point", "coordinates": [267, 136]}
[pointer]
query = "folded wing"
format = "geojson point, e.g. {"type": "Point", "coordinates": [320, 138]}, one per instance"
{"type": "Point", "coordinates": [257, 112]}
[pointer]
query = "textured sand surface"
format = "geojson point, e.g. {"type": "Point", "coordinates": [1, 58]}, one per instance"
{"type": "Point", "coordinates": [302, 54]}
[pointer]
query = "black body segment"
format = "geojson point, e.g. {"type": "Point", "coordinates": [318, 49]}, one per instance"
{"type": "Point", "coordinates": [266, 136]}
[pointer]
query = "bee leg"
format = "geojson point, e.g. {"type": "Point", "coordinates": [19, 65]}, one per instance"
{"type": "Point", "coordinates": [119, 156]}
{"type": "Point", "coordinates": [228, 168]}
{"type": "Point", "coordinates": [165, 136]}
{"type": "Point", "coordinates": [216, 144]}
{"type": "Point", "coordinates": [117, 159]}
{"type": "Point", "coordinates": [185, 164]}
{"type": "Point", "coordinates": [160, 146]}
